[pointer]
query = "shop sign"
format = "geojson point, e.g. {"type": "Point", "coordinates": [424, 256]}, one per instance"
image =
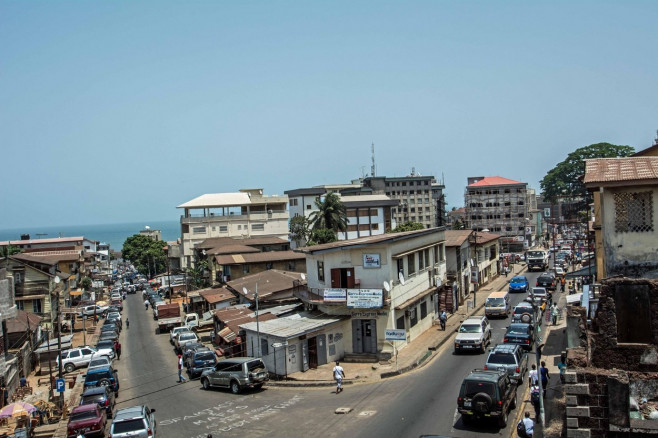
{"type": "Point", "coordinates": [335, 295]}
{"type": "Point", "coordinates": [364, 298]}
{"type": "Point", "coordinates": [371, 261]}
{"type": "Point", "coordinates": [368, 315]}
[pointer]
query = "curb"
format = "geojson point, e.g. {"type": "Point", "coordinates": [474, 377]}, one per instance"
{"type": "Point", "coordinates": [307, 383]}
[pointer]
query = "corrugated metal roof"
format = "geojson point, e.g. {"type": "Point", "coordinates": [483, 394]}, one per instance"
{"type": "Point", "coordinates": [291, 326]}
{"type": "Point", "coordinates": [258, 257]}
{"type": "Point", "coordinates": [629, 169]}
{"type": "Point", "coordinates": [458, 237]}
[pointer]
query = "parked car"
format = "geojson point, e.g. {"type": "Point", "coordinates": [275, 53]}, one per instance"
{"type": "Point", "coordinates": [190, 348]}
{"type": "Point", "coordinates": [521, 334]}
{"type": "Point", "coordinates": [519, 283]}
{"type": "Point", "coordinates": [486, 394]}
{"type": "Point", "coordinates": [99, 360]}
{"type": "Point", "coordinates": [114, 309]}
{"type": "Point", "coordinates": [89, 420]}
{"type": "Point", "coordinates": [546, 280]}
{"type": "Point", "coordinates": [108, 336]}
{"type": "Point", "coordinates": [176, 331]}
{"type": "Point", "coordinates": [103, 396]}
{"type": "Point", "coordinates": [510, 358]}
{"type": "Point", "coordinates": [114, 317]}
{"type": "Point", "coordinates": [184, 338]}
{"type": "Point", "coordinates": [134, 422]}
{"type": "Point", "coordinates": [75, 358]}
{"type": "Point", "coordinates": [103, 376]}
{"type": "Point", "coordinates": [110, 327]}
{"type": "Point", "coordinates": [92, 310]}
{"type": "Point", "coordinates": [200, 360]}
{"type": "Point", "coordinates": [106, 348]}
{"type": "Point", "coordinates": [540, 295]}
{"type": "Point", "coordinates": [559, 271]}
{"type": "Point", "coordinates": [236, 373]}
{"type": "Point", "coordinates": [473, 334]}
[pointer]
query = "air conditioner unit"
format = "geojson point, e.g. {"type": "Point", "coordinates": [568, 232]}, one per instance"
{"type": "Point", "coordinates": [437, 281]}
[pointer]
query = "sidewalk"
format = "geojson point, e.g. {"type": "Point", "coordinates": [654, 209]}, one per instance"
{"type": "Point", "coordinates": [419, 352]}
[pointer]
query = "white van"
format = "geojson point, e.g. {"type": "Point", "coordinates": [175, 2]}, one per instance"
{"type": "Point", "coordinates": [497, 304]}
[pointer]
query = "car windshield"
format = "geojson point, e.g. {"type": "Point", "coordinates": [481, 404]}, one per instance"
{"type": "Point", "coordinates": [518, 329]}
{"type": "Point", "coordinates": [473, 388]}
{"type": "Point", "coordinates": [535, 254]}
{"type": "Point", "coordinates": [501, 358]}
{"type": "Point", "coordinates": [187, 336]}
{"type": "Point", "coordinates": [495, 302]}
{"type": "Point", "coordinates": [101, 375]}
{"type": "Point", "coordinates": [519, 310]}
{"type": "Point", "coordinates": [209, 355]}
{"type": "Point", "coordinates": [470, 328]}
{"type": "Point", "coordinates": [518, 280]}
{"type": "Point", "coordinates": [126, 426]}
{"type": "Point", "coordinates": [94, 398]}
{"type": "Point", "coordinates": [105, 345]}
{"type": "Point", "coordinates": [97, 362]}
{"type": "Point", "coordinates": [85, 415]}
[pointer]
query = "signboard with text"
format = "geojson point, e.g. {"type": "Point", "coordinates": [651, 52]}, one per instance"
{"type": "Point", "coordinates": [371, 261]}
{"type": "Point", "coordinates": [335, 295]}
{"type": "Point", "coordinates": [395, 335]}
{"type": "Point", "coordinates": [365, 298]}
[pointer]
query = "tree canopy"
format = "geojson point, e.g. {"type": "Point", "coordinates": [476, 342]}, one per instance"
{"type": "Point", "coordinates": [408, 226]}
{"type": "Point", "coordinates": [299, 230]}
{"type": "Point", "coordinates": [322, 235]}
{"type": "Point", "coordinates": [564, 179]}
{"type": "Point", "coordinates": [146, 254]}
{"type": "Point", "coordinates": [330, 214]}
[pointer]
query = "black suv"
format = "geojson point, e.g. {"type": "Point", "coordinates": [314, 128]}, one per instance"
{"type": "Point", "coordinates": [546, 280]}
{"type": "Point", "coordinates": [486, 394]}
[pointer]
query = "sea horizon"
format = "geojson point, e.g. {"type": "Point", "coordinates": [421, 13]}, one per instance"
{"type": "Point", "coordinates": [114, 234]}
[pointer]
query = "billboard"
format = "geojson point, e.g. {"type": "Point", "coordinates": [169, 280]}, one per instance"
{"type": "Point", "coordinates": [371, 261]}
{"type": "Point", "coordinates": [365, 298]}
{"type": "Point", "coordinates": [337, 295]}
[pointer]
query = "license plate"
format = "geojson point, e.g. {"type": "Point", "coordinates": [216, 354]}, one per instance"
{"type": "Point", "coordinates": [467, 346]}
{"type": "Point", "coordinates": [467, 404]}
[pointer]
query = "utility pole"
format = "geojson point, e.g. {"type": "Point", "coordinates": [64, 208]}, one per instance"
{"type": "Point", "coordinates": [537, 321]}
{"type": "Point", "coordinates": [257, 324]}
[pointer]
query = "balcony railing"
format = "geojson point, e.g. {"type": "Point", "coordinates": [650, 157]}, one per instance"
{"type": "Point", "coordinates": [316, 296]}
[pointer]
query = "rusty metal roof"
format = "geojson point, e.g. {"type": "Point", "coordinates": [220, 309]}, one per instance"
{"type": "Point", "coordinates": [602, 171]}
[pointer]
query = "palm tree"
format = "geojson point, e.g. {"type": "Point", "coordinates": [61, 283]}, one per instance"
{"type": "Point", "coordinates": [330, 214]}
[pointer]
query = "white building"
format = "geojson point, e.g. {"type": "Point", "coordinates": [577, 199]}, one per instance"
{"type": "Point", "coordinates": [248, 213]}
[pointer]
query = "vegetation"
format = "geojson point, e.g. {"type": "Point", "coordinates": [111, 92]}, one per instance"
{"type": "Point", "coordinates": [9, 250]}
{"type": "Point", "coordinates": [330, 214]}
{"type": "Point", "coordinates": [85, 283]}
{"type": "Point", "coordinates": [563, 181]}
{"type": "Point", "coordinates": [146, 254]}
{"type": "Point", "coordinates": [299, 230]}
{"type": "Point", "coordinates": [408, 226]}
{"type": "Point", "coordinates": [457, 224]}
{"type": "Point", "coordinates": [322, 235]}
{"type": "Point", "coordinates": [196, 276]}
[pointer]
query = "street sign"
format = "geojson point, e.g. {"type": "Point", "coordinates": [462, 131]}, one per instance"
{"type": "Point", "coordinates": [279, 344]}
{"type": "Point", "coordinates": [60, 385]}
{"type": "Point", "coordinates": [395, 335]}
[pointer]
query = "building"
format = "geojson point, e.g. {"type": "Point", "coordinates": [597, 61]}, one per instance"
{"type": "Point", "coordinates": [461, 252]}
{"type": "Point", "coordinates": [367, 214]}
{"type": "Point", "coordinates": [8, 363]}
{"type": "Point", "coordinates": [502, 206]}
{"type": "Point", "coordinates": [248, 213]}
{"type": "Point", "coordinates": [153, 234]}
{"type": "Point", "coordinates": [420, 198]}
{"type": "Point", "coordinates": [625, 192]}
{"type": "Point", "coordinates": [270, 288]}
{"type": "Point", "coordinates": [374, 283]}
{"type": "Point", "coordinates": [76, 243]}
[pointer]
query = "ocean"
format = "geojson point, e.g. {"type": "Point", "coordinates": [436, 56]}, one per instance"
{"type": "Point", "coordinates": [114, 234]}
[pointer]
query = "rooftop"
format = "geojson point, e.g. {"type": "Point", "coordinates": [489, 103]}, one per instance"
{"type": "Point", "coordinates": [258, 257]}
{"type": "Point", "coordinates": [294, 325]}
{"type": "Point", "coordinates": [244, 197]}
{"type": "Point", "coordinates": [494, 181]}
{"type": "Point", "coordinates": [458, 237]}
{"type": "Point", "coordinates": [599, 171]}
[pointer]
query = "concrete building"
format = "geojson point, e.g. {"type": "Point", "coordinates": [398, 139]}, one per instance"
{"type": "Point", "coordinates": [153, 234]}
{"type": "Point", "coordinates": [372, 284]}
{"type": "Point", "coordinates": [502, 206]}
{"type": "Point", "coordinates": [8, 362]}
{"type": "Point", "coordinates": [77, 243]}
{"type": "Point", "coordinates": [248, 213]}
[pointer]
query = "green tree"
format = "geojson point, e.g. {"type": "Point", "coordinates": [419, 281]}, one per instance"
{"type": "Point", "coordinates": [322, 235]}
{"type": "Point", "coordinates": [564, 179]}
{"type": "Point", "coordinates": [299, 230]}
{"type": "Point", "coordinates": [457, 224]}
{"type": "Point", "coordinates": [86, 283]}
{"type": "Point", "coordinates": [408, 226]}
{"type": "Point", "coordinates": [146, 254]}
{"type": "Point", "coordinates": [330, 214]}
{"type": "Point", "coordinates": [196, 274]}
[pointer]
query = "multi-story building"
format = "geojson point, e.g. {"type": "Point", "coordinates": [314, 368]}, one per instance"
{"type": "Point", "coordinates": [501, 206]}
{"type": "Point", "coordinates": [248, 213]}
{"type": "Point", "coordinates": [421, 197]}
{"type": "Point", "coordinates": [78, 243]}
{"type": "Point", "coordinates": [153, 234]}
{"type": "Point", "coordinates": [367, 214]}
{"type": "Point", "coordinates": [8, 363]}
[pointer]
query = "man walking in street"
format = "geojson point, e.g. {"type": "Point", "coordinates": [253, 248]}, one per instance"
{"type": "Point", "coordinates": [529, 425]}
{"type": "Point", "coordinates": [117, 349]}
{"type": "Point", "coordinates": [181, 378]}
{"type": "Point", "coordinates": [442, 319]}
{"type": "Point", "coordinates": [543, 371]}
{"type": "Point", "coordinates": [339, 374]}
{"type": "Point", "coordinates": [532, 376]}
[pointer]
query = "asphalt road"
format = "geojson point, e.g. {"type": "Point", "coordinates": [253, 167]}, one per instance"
{"type": "Point", "coordinates": [411, 405]}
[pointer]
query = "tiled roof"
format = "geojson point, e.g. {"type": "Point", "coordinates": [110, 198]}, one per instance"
{"type": "Point", "coordinates": [216, 295]}
{"type": "Point", "coordinates": [215, 242]}
{"type": "Point", "coordinates": [458, 237]}
{"type": "Point", "coordinates": [494, 181]}
{"type": "Point", "coordinates": [599, 171]}
{"type": "Point", "coordinates": [258, 257]}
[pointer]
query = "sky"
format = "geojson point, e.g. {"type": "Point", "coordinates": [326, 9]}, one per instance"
{"type": "Point", "coordinates": [118, 111]}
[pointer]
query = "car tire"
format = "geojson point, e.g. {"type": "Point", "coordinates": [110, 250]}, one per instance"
{"type": "Point", "coordinates": [235, 387]}
{"type": "Point", "coordinates": [104, 382]}
{"type": "Point", "coordinates": [482, 403]}
{"type": "Point", "coordinates": [502, 420]}
{"type": "Point", "coordinates": [69, 367]}
{"type": "Point", "coordinates": [466, 419]}
{"type": "Point", "coordinates": [205, 383]}
{"type": "Point", "coordinates": [512, 405]}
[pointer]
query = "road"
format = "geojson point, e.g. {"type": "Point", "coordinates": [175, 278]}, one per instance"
{"type": "Point", "coordinates": [417, 403]}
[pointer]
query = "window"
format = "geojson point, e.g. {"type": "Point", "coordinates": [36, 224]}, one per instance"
{"type": "Point", "coordinates": [223, 228]}
{"type": "Point", "coordinates": [293, 202]}
{"type": "Point", "coordinates": [292, 266]}
{"type": "Point", "coordinates": [264, 347]}
{"type": "Point", "coordinates": [400, 266]}
{"type": "Point", "coordinates": [374, 226]}
{"type": "Point", "coordinates": [399, 323]}
{"type": "Point", "coordinates": [413, 316]}
{"type": "Point", "coordinates": [423, 309]}
{"type": "Point", "coordinates": [36, 306]}
{"type": "Point", "coordinates": [308, 207]}
{"type": "Point", "coordinates": [245, 269]}
{"type": "Point", "coordinates": [20, 305]}
{"type": "Point", "coordinates": [198, 230]}
{"type": "Point", "coordinates": [411, 264]}
{"type": "Point", "coordinates": [257, 227]}
{"type": "Point", "coordinates": [633, 212]}
{"type": "Point", "coordinates": [320, 271]}
{"type": "Point", "coordinates": [421, 260]}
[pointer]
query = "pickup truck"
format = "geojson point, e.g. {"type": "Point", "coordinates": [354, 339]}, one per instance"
{"type": "Point", "coordinates": [168, 316]}
{"type": "Point", "coordinates": [197, 324]}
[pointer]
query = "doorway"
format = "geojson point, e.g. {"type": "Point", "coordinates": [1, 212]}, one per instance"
{"type": "Point", "coordinates": [312, 353]}
{"type": "Point", "coordinates": [364, 336]}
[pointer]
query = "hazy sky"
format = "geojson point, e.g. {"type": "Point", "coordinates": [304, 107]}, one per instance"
{"type": "Point", "coordinates": [117, 111]}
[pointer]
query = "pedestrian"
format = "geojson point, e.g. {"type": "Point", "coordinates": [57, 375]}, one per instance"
{"type": "Point", "coordinates": [181, 378]}
{"type": "Point", "coordinates": [532, 376]}
{"type": "Point", "coordinates": [146, 304]}
{"type": "Point", "coordinates": [543, 371]}
{"type": "Point", "coordinates": [117, 349]}
{"type": "Point", "coordinates": [23, 382]}
{"type": "Point", "coordinates": [127, 323]}
{"type": "Point", "coordinates": [442, 319]}
{"type": "Point", "coordinates": [562, 282]}
{"type": "Point", "coordinates": [562, 366]}
{"type": "Point", "coordinates": [528, 426]}
{"type": "Point", "coordinates": [534, 400]}
{"type": "Point", "coordinates": [554, 313]}
{"type": "Point", "coordinates": [339, 374]}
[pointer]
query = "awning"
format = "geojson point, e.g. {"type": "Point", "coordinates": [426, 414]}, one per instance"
{"type": "Point", "coordinates": [418, 297]}
{"type": "Point", "coordinates": [587, 270]}
{"type": "Point", "coordinates": [227, 335]}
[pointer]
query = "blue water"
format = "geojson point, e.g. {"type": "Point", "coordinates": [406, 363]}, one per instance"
{"type": "Point", "coordinates": [114, 234]}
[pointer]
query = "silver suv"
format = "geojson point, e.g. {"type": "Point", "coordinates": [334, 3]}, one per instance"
{"type": "Point", "coordinates": [473, 334]}
{"type": "Point", "coordinates": [510, 358]}
{"type": "Point", "coordinates": [236, 373]}
{"type": "Point", "coordinates": [76, 358]}
{"type": "Point", "coordinates": [133, 422]}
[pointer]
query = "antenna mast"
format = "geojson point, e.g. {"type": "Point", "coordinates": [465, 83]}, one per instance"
{"type": "Point", "coordinates": [372, 168]}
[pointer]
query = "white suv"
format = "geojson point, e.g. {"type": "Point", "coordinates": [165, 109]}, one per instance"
{"type": "Point", "coordinates": [76, 358]}
{"type": "Point", "coordinates": [473, 334]}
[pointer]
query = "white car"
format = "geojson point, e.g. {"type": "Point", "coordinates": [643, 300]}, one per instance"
{"type": "Point", "coordinates": [175, 331]}
{"type": "Point", "coordinates": [184, 338]}
{"type": "Point", "coordinates": [559, 270]}
{"type": "Point", "coordinates": [99, 361]}
{"type": "Point", "coordinates": [76, 358]}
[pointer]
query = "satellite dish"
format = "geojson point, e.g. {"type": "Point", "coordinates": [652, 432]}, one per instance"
{"type": "Point", "coordinates": [246, 292]}
{"type": "Point", "coordinates": [387, 286]}
{"type": "Point", "coordinates": [303, 277]}
{"type": "Point", "coordinates": [401, 277]}
{"type": "Point", "coordinates": [57, 279]}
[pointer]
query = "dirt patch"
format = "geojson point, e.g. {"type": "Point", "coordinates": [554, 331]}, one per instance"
{"type": "Point", "coordinates": [556, 427]}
